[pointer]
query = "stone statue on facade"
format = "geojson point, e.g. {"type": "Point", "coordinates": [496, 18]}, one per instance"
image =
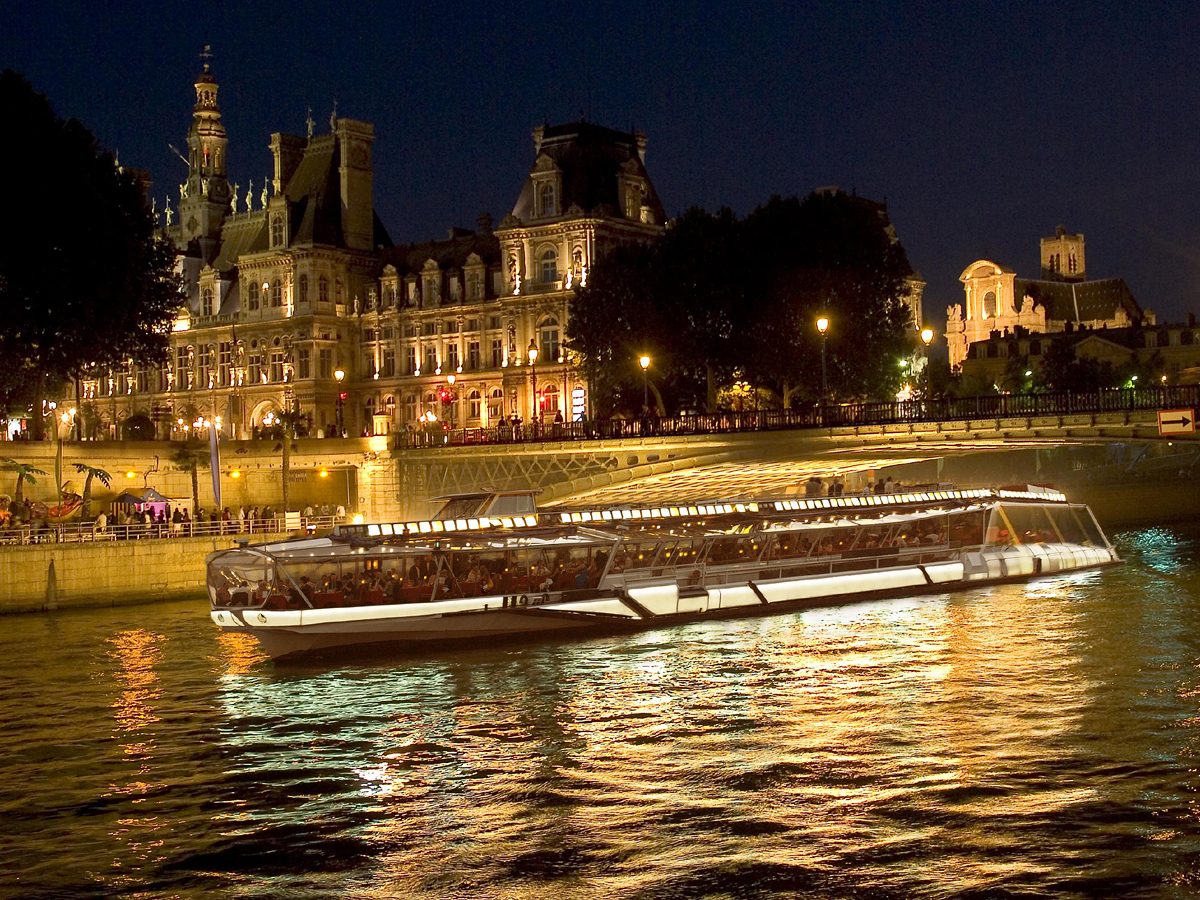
{"type": "Point", "coordinates": [266, 185]}
{"type": "Point", "coordinates": [250, 196]}
{"type": "Point", "coordinates": [168, 212]}
{"type": "Point", "coordinates": [308, 121]}
{"type": "Point", "coordinates": [233, 200]}
{"type": "Point", "coordinates": [183, 192]}
{"type": "Point", "coordinates": [154, 211]}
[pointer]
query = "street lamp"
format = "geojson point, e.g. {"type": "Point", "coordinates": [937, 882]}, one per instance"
{"type": "Point", "coordinates": [339, 374]}
{"type": "Point", "coordinates": [645, 364]}
{"type": "Point", "coordinates": [533, 355]}
{"type": "Point", "coordinates": [823, 326]}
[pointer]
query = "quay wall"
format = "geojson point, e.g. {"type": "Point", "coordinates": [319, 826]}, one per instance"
{"type": "Point", "coordinates": [36, 577]}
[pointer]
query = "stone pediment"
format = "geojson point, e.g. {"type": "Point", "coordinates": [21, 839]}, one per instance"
{"type": "Point", "coordinates": [389, 270]}
{"type": "Point", "coordinates": [510, 221]}
{"type": "Point", "coordinates": [431, 266]}
{"type": "Point", "coordinates": [545, 163]}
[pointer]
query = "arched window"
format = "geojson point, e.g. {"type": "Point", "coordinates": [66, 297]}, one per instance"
{"type": "Point", "coordinates": [549, 341]}
{"type": "Point", "coordinates": [303, 289]}
{"type": "Point", "coordinates": [549, 267]}
{"type": "Point", "coordinates": [322, 289]}
{"type": "Point", "coordinates": [410, 407]}
{"type": "Point", "coordinates": [368, 412]}
{"type": "Point", "coordinates": [496, 404]}
{"type": "Point", "coordinates": [474, 404]}
{"type": "Point", "coordinates": [550, 397]}
{"type": "Point", "coordinates": [389, 297]}
{"type": "Point", "coordinates": [206, 304]}
{"type": "Point", "coordinates": [989, 305]}
{"type": "Point", "coordinates": [429, 403]}
{"type": "Point", "coordinates": [546, 205]}
{"type": "Point", "coordinates": [252, 295]}
{"type": "Point", "coordinates": [276, 293]}
{"type": "Point", "coordinates": [389, 405]}
{"type": "Point", "coordinates": [276, 230]}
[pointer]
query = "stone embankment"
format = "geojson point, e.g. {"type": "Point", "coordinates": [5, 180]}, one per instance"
{"type": "Point", "coordinates": [36, 577]}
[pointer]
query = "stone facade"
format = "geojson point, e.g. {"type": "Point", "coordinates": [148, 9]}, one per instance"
{"type": "Point", "coordinates": [1172, 351]}
{"type": "Point", "coordinates": [998, 303]}
{"type": "Point", "coordinates": [290, 285]}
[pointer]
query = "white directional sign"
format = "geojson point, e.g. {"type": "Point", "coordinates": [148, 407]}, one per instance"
{"type": "Point", "coordinates": [1176, 421]}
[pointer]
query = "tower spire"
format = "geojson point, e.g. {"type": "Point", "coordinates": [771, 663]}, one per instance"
{"type": "Point", "coordinates": [207, 198]}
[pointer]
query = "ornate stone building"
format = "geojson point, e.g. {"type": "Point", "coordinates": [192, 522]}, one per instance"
{"type": "Point", "coordinates": [998, 303]}
{"type": "Point", "coordinates": [290, 286]}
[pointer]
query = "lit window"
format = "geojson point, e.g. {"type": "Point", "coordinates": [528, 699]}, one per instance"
{"type": "Point", "coordinates": [549, 267]}
{"type": "Point", "coordinates": [252, 295]}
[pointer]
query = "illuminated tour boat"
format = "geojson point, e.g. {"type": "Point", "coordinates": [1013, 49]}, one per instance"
{"type": "Point", "coordinates": [492, 566]}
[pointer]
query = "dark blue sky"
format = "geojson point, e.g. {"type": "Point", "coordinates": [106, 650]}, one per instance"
{"type": "Point", "coordinates": [984, 126]}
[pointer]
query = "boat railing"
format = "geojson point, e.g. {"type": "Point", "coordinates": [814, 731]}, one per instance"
{"type": "Point", "coordinates": [710, 574]}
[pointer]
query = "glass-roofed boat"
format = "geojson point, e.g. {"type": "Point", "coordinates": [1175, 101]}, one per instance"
{"type": "Point", "coordinates": [491, 565]}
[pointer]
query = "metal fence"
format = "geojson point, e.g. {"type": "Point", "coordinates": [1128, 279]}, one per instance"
{"type": "Point", "coordinates": [87, 532]}
{"type": "Point", "coordinates": [829, 416]}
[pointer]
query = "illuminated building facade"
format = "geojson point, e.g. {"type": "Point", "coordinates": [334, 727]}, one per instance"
{"type": "Point", "coordinates": [290, 284]}
{"type": "Point", "coordinates": [998, 304]}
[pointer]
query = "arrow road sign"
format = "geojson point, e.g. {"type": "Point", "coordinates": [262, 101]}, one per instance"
{"type": "Point", "coordinates": [1176, 421]}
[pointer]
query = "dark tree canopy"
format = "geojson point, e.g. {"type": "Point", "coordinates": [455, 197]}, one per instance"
{"type": "Point", "coordinates": [85, 282]}
{"type": "Point", "coordinates": [718, 300]}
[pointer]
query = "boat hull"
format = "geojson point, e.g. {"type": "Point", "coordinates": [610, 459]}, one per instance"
{"type": "Point", "coordinates": [300, 634]}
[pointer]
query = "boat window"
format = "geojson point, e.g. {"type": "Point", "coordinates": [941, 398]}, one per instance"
{"type": "Point", "coordinates": [1030, 524]}
{"type": "Point", "coordinates": [639, 556]}
{"type": "Point", "coordinates": [967, 530]}
{"type": "Point", "coordinates": [1090, 526]}
{"type": "Point", "coordinates": [1066, 524]}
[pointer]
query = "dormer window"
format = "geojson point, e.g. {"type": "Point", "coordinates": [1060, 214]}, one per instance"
{"type": "Point", "coordinates": [633, 202]}
{"type": "Point", "coordinates": [546, 201]}
{"type": "Point", "coordinates": [206, 301]}
{"type": "Point", "coordinates": [276, 230]}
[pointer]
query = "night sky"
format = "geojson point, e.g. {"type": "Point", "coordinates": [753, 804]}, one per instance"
{"type": "Point", "coordinates": [983, 127]}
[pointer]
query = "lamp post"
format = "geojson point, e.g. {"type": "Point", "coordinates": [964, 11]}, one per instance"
{"type": "Point", "coordinates": [339, 374]}
{"type": "Point", "coordinates": [823, 326]}
{"type": "Point", "coordinates": [645, 364]}
{"type": "Point", "coordinates": [533, 355]}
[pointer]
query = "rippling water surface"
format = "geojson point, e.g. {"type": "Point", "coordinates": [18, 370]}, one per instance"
{"type": "Point", "coordinates": [1029, 740]}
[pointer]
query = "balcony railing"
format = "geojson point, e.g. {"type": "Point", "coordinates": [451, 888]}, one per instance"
{"type": "Point", "coordinates": [838, 415]}
{"type": "Point", "coordinates": [87, 532]}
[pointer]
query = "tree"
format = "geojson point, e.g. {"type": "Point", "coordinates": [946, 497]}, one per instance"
{"type": "Point", "coordinates": [288, 422]}
{"type": "Point", "coordinates": [24, 473]}
{"type": "Point", "coordinates": [191, 457]}
{"type": "Point", "coordinates": [86, 284]}
{"type": "Point", "coordinates": [91, 472]}
{"type": "Point", "coordinates": [716, 299]}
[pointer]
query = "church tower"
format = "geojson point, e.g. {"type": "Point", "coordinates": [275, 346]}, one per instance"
{"type": "Point", "coordinates": [206, 194]}
{"type": "Point", "coordinates": [1062, 257]}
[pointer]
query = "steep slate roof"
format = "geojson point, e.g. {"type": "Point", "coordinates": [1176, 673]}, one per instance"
{"type": "Point", "coordinates": [590, 158]}
{"type": "Point", "coordinates": [314, 195]}
{"type": "Point", "coordinates": [1080, 301]}
{"type": "Point", "coordinates": [449, 254]}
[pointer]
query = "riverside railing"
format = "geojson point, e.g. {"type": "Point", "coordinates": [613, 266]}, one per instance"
{"type": "Point", "coordinates": [838, 415]}
{"type": "Point", "coordinates": [87, 532]}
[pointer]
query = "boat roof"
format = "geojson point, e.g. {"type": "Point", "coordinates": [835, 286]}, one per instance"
{"type": "Point", "coordinates": [589, 526]}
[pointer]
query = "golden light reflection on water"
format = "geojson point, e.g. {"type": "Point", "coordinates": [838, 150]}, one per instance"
{"type": "Point", "coordinates": [988, 742]}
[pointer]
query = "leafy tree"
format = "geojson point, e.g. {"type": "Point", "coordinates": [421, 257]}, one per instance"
{"type": "Point", "coordinates": [716, 299]}
{"type": "Point", "coordinates": [288, 421]}
{"type": "Point", "coordinates": [1063, 370]}
{"type": "Point", "coordinates": [191, 457]}
{"type": "Point", "coordinates": [24, 473]}
{"type": "Point", "coordinates": [91, 472]}
{"type": "Point", "coordinates": [85, 282]}
{"type": "Point", "coordinates": [138, 427]}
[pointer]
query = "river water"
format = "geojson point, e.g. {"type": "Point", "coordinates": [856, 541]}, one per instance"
{"type": "Point", "coordinates": [1018, 741]}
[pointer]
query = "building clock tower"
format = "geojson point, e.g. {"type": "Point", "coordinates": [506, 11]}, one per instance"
{"type": "Point", "coordinates": [206, 195]}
